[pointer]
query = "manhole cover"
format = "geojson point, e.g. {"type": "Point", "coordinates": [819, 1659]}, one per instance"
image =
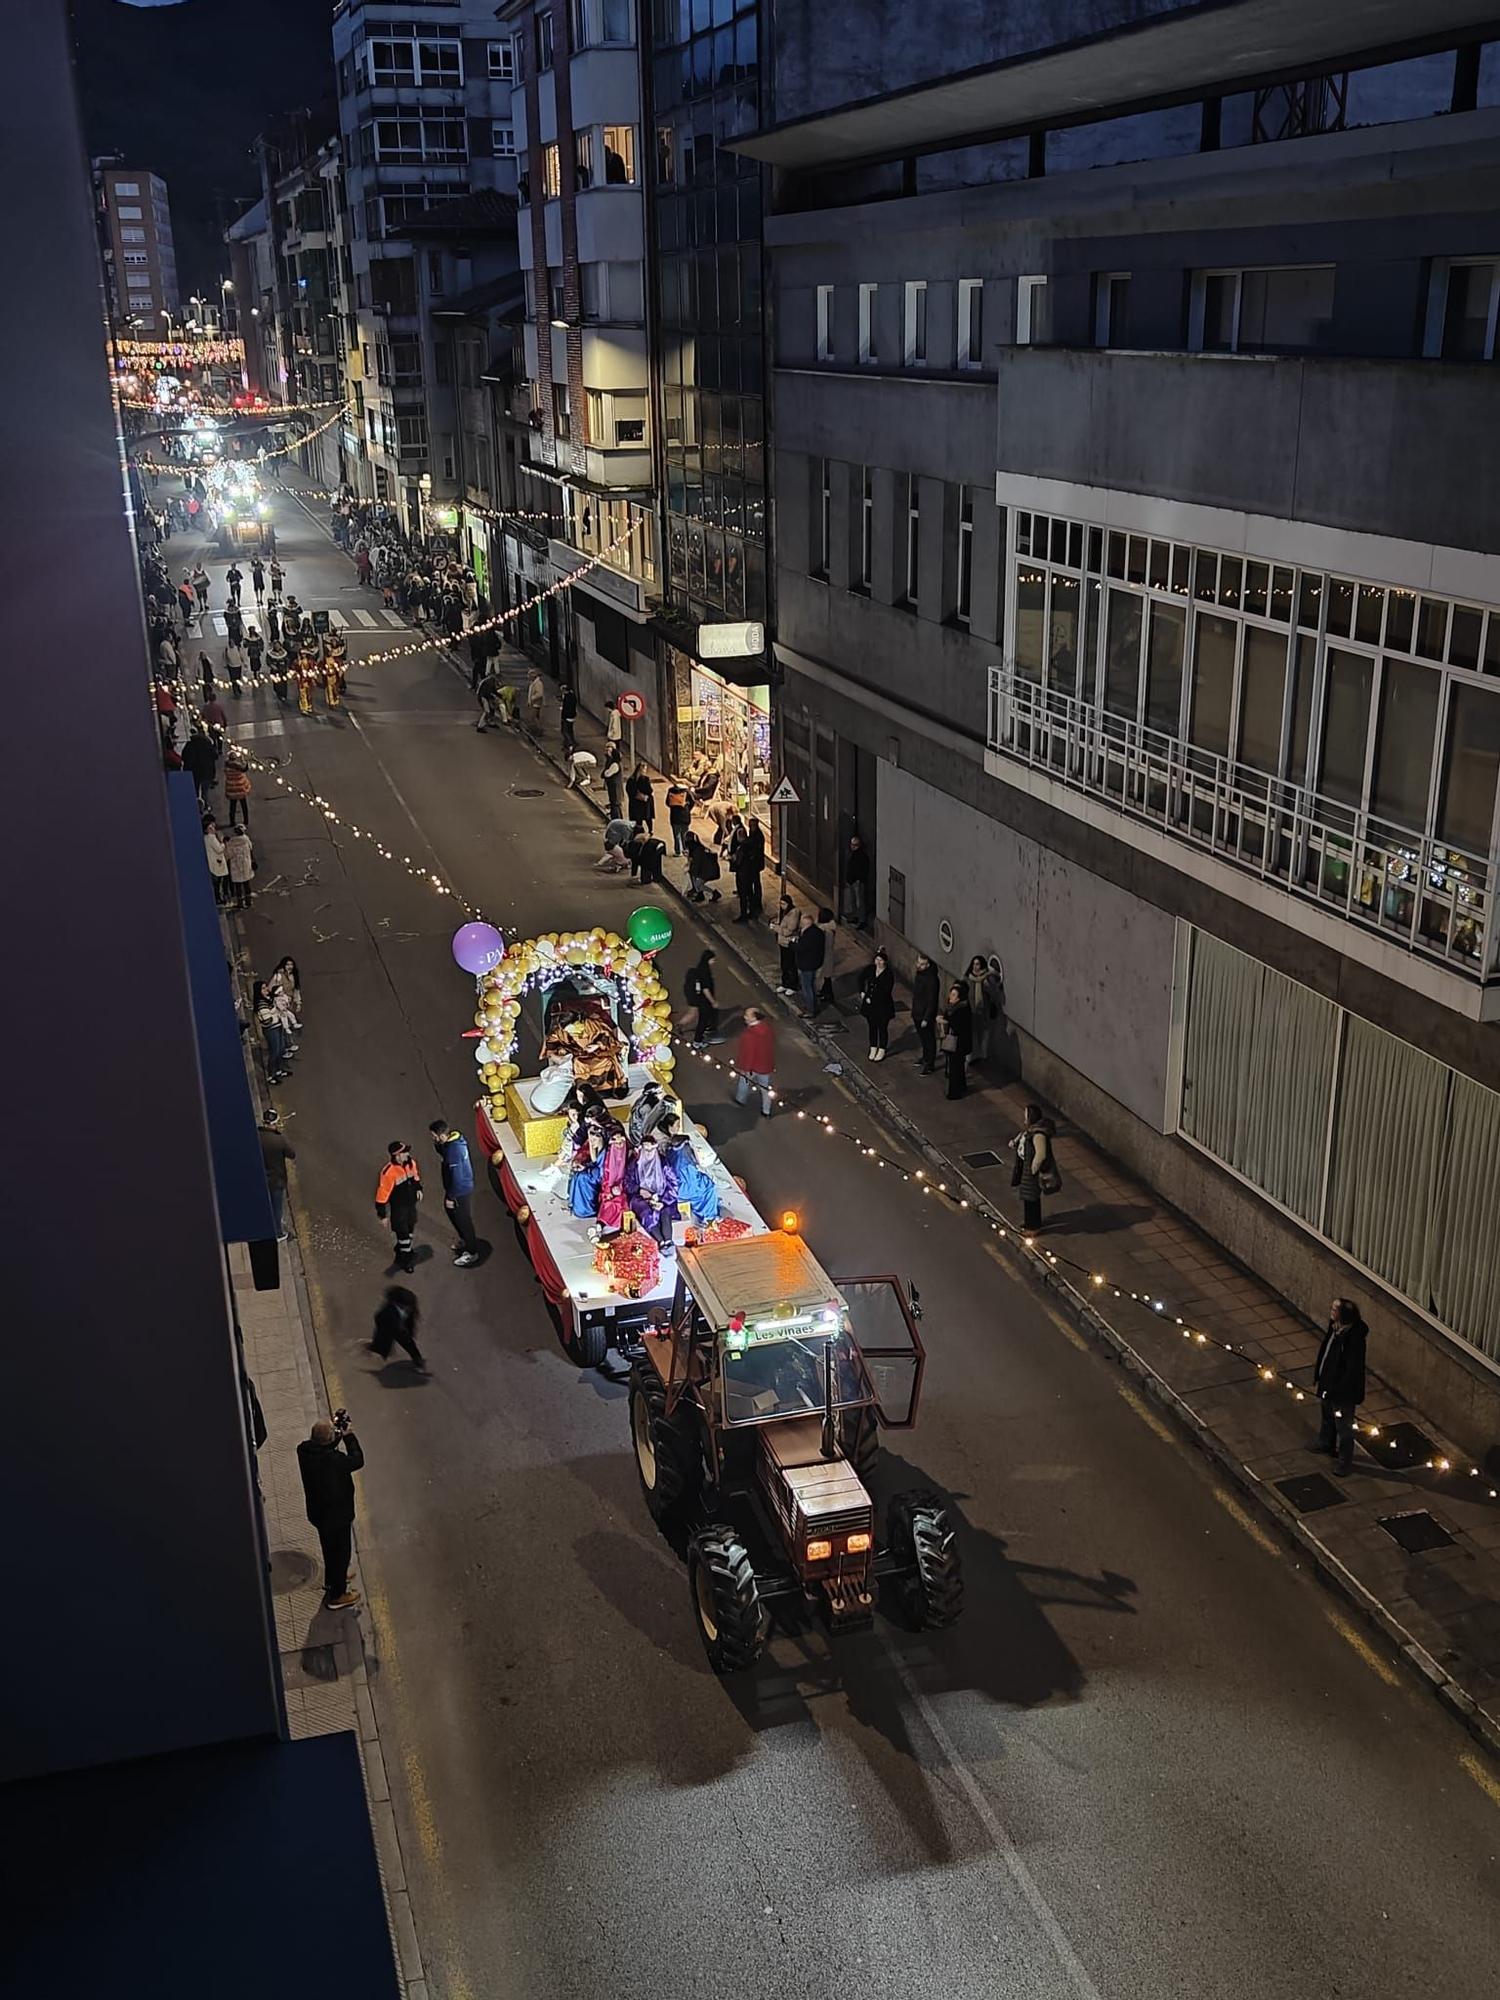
{"type": "Point", "coordinates": [1311, 1492]}
{"type": "Point", "coordinates": [981, 1159]}
{"type": "Point", "coordinates": [1399, 1446]}
{"type": "Point", "coordinates": [1416, 1532]}
{"type": "Point", "coordinates": [527, 792]}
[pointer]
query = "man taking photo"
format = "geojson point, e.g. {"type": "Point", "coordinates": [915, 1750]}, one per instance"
{"type": "Point", "coordinates": [328, 1460]}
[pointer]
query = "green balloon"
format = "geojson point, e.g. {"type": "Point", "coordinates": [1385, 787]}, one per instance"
{"type": "Point", "coordinates": [649, 930]}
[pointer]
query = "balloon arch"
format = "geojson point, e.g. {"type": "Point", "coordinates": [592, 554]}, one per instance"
{"type": "Point", "coordinates": [539, 963]}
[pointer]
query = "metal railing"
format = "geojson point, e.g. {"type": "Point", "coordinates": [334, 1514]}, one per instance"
{"type": "Point", "coordinates": [1421, 892]}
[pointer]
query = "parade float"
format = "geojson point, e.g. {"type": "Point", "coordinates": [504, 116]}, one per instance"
{"type": "Point", "coordinates": [603, 1172]}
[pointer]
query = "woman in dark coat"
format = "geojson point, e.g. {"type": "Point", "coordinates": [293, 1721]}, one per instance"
{"type": "Point", "coordinates": [957, 1025]}
{"type": "Point", "coordinates": [1033, 1167]}
{"type": "Point", "coordinates": [1339, 1378]}
{"type": "Point", "coordinates": [640, 798]}
{"type": "Point", "coordinates": [877, 990]}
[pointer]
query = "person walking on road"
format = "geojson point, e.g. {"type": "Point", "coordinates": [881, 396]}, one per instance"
{"type": "Point", "coordinates": [187, 604]}
{"type": "Point", "coordinates": [755, 1059]}
{"type": "Point", "coordinates": [255, 650]}
{"type": "Point", "coordinates": [397, 1194]}
{"type": "Point", "coordinates": [856, 882]}
{"type": "Point", "coordinates": [278, 578]}
{"type": "Point", "coordinates": [1339, 1378]}
{"type": "Point", "coordinates": [877, 996]}
{"type": "Point", "coordinates": [613, 774]}
{"type": "Point", "coordinates": [234, 576]}
{"type": "Point", "coordinates": [273, 1033]}
{"type": "Point", "coordinates": [698, 991]}
{"type": "Point", "coordinates": [275, 1151]}
{"type": "Point", "coordinates": [258, 579]}
{"type": "Point", "coordinates": [200, 587]}
{"type": "Point", "coordinates": [241, 858]}
{"type": "Point", "coordinates": [924, 1009]}
{"type": "Point", "coordinates": [536, 699]}
{"type": "Point", "coordinates": [396, 1326]}
{"type": "Point", "coordinates": [237, 786]}
{"type": "Point", "coordinates": [1035, 1171]}
{"type": "Point", "coordinates": [458, 1188]}
{"type": "Point", "coordinates": [200, 757]}
{"type": "Point", "coordinates": [679, 814]}
{"type": "Point", "coordinates": [569, 718]}
{"type": "Point", "coordinates": [808, 953]}
{"type": "Point", "coordinates": [986, 1000]}
{"type": "Point", "coordinates": [278, 668]}
{"type": "Point", "coordinates": [955, 1025]}
{"type": "Point", "coordinates": [328, 1459]}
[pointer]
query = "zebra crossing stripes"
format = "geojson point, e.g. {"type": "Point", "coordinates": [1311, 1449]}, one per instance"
{"type": "Point", "coordinates": [341, 621]}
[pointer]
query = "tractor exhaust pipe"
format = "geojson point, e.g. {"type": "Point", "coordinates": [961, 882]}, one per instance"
{"type": "Point", "coordinates": [830, 1440]}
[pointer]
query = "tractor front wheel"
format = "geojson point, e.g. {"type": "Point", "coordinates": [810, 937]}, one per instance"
{"type": "Point", "coordinates": [924, 1543]}
{"type": "Point", "coordinates": [725, 1599]}
{"type": "Point", "coordinates": [667, 1455]}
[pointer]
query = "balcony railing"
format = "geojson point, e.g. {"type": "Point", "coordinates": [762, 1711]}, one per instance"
{"type": "Point", "coordinates": [1433, 899]}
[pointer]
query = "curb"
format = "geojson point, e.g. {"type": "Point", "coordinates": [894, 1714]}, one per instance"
{"type": "Point", "coordinates": [1289, 1526]}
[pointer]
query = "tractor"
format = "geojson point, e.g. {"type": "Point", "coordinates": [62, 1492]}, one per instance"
{"type": "Point", "coordinates": [755, 1411]}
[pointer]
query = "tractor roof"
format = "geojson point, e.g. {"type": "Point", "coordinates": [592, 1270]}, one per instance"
{"type": "Point", "coordinates": [774, 1276]}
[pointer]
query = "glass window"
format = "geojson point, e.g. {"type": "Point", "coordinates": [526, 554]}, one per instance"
{"type": "Point", "coordinates": [619, 155]}
{"type": "Point", "coordinates": [1213, 682]}
{"type": "Point", "coordinates": [1468, 314]}
{"type": "Point", "coordinates": [583, 158]}
{"type": "Point", "coordinates": [1471, 763]}
{"type": "Point", "coordinates": [1306, 659]}
{"type": "Point", "coordinates": [502, 59]}
{"type": "Point", "coordinates": [1164, 668]}
{"type": "Point", "coordinates": [1403, 745]}
{"type": "Point", "coordinates": [551, 172]}
{"type": "Point", "coordinates": [1309, 599]}
{"type": "Point", "coordinates": [1400, 619]}
{"type": "Point", "coordinates": [1031, 606]}
{"type": "Point", "coordinates": [913, 540]}
{"type": "Point", "coordinates": [1262, 689]}
{"type": "Point", "coordinates": [1367, 614]}
{"type": "Point", "coordinates": [1062, 643]}
{"type": "Point", "coordinates": [825, 322]}
{"type": "Point", "coordinates": [1463, 636]}
{"type": "Point", "coordinates": [1033, 313]}
{"type": "Point", "coordinates": [543, 31]}
{"type": "Point", "coordinates": [868, 351]}
{"type": "Point", "coordinates": [1285, 311]}
{"type": "Point", "coordinates": [1432, 628]}
{"type": "Point", "coordinates": [1122, 654]}
{"type": "Point", "coordinates": [1220, 297]}
{"type": "Point", "coordinates": [916, 323]}
{"type": "Point", "coordinates": [965, 585]}
{"type": "Point", "coordinates": [502, 141]}
{"type": "Point", "coordinates": [615, 18]}
{"type": "Point", "coordinates": [970, 322]}
{"type": "Point", "coordinates": [1346, 725]}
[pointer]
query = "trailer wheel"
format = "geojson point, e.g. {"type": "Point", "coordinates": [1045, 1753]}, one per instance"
{"type": "Point", "coordinates": [725, 1599]}
{"type": "Point", "coordinates": [859, 1440]}
{"type": "Point", "coordinates": [588, 1345]}
{"type": "Point", "coordinates": [930, 1588]}
{"type": "Point", "coordinates": [667, 1455]}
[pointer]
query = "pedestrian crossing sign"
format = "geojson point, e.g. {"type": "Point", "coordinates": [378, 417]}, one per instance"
{"type": "Point", "coordinates": [786, 794]}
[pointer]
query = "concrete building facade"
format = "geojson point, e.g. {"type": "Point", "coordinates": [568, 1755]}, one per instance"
{"type": "Point", "coordinates": [423, 106]}
{"type": "Point", "coordinates": [1137, 566]}
{"type": "Point", "coordinates": [140, 262]}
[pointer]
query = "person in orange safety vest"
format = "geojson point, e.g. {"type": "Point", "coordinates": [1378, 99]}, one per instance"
{"type": "Point", "coordinates": [397, 1193]}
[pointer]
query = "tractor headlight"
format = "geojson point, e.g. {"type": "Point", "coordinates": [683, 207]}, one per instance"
{"type": "Point", "coordinates": [819, 1551]}
{"type": "Point", "coordinates": [858, 1545]}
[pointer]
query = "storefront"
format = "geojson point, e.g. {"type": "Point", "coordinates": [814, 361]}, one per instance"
{"type": "Point", "coordinates": [730, 724]}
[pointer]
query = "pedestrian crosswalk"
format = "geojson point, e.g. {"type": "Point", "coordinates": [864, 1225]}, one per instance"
{"type": "Point", "coordinates": [354, 620]}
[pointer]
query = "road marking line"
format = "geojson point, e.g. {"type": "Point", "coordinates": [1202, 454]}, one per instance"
{"type": "Point", "coordinates": [394, 618]}
{"type": "Point", "coordinates": [1069, 1333]}
{"type": "Point", "coordinates": [1067, 1959]}
{"type": "Point", "coordinates": [366, 618]}
{"type": "Point", "coordinates": [216, 619]}
{"type": "Point", "coordinates": [1482, 1775]}
{"type": "Point", "coordinates": [1262, 1537]}
{"type": "Point", "coordinates": [1378, 1666]}
{"type": "Point", "coordinates": [1146, 1414]}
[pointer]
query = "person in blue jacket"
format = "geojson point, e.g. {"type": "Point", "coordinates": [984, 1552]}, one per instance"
{"type": "Point", "coordinates": [458, 1188]}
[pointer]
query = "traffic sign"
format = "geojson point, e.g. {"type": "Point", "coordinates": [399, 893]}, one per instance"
{"type": "Point", "coordinates": [631, 705]}
{"type": "Point", "coordinates": [786, 794]}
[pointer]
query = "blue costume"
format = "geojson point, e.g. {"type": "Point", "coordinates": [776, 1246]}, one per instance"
{"type": "Point", "coordinates": [693, 1185]}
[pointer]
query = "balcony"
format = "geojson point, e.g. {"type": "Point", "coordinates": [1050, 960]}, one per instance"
{"type": "Point", "coordinates": [1427, 899]}
{"type": "Point", "coordinates": [1398, 448]}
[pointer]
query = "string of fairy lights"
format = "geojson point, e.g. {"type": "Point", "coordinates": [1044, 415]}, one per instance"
{"type": "Point", "coordinates": [1099, 1283]}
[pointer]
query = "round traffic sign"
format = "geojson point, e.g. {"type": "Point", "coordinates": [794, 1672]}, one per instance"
{"type": "Point", "coordinates": [631, 705]}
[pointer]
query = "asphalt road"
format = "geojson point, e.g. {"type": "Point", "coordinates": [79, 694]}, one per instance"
{"type": "Point", "coordinates": [1154, 1759]}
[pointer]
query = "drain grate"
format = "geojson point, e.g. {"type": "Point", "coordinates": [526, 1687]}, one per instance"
{"type": "Point", "coordinates": [1417, 1532]}
{"type": "Point", "coordinates": [527, 792]}
{"type": "Point", "coordinates": [1310, 1493]}
{"type": "Point", "coordinates": [981, 1159]}
{"type": "Point", "coordinates": [1399, 1446]}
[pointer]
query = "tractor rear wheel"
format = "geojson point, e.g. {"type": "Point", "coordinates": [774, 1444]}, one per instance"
{"type": "Point", "coordinates": [859, 1440]}
{"type": "Point", "coordinates": [587, 1345]}
{"type": "Point", "coordinates": [667, 1455]}
{"type": "Point", "coordinates": [924, 1543]}
{"type": "Point", "coordinates": [725, 1599]}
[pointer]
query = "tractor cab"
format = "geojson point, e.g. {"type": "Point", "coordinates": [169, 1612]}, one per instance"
{"type": "Point", "coordinates": [756, 1408]}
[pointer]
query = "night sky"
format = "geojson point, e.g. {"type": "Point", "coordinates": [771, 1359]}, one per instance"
{"type": "Point", "coordinates": [184, 90]}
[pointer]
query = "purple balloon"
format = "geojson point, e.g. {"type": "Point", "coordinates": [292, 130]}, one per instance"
{"type": "Point", "coordinates": [478, 947]}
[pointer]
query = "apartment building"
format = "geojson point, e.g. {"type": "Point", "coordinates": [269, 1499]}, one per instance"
{"type": "Point", "coordinates": [135, 233]}
{"type": "Point", "coordinates": [1138, 597]}
{"type": "Point", "coordinates": [424, 98]}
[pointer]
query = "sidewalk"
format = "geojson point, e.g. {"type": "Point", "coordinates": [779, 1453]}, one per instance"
{"type": "Point", "coordinates": [1411, 1539]}
{"type": "Point", "coordinates": [327, 1660]}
